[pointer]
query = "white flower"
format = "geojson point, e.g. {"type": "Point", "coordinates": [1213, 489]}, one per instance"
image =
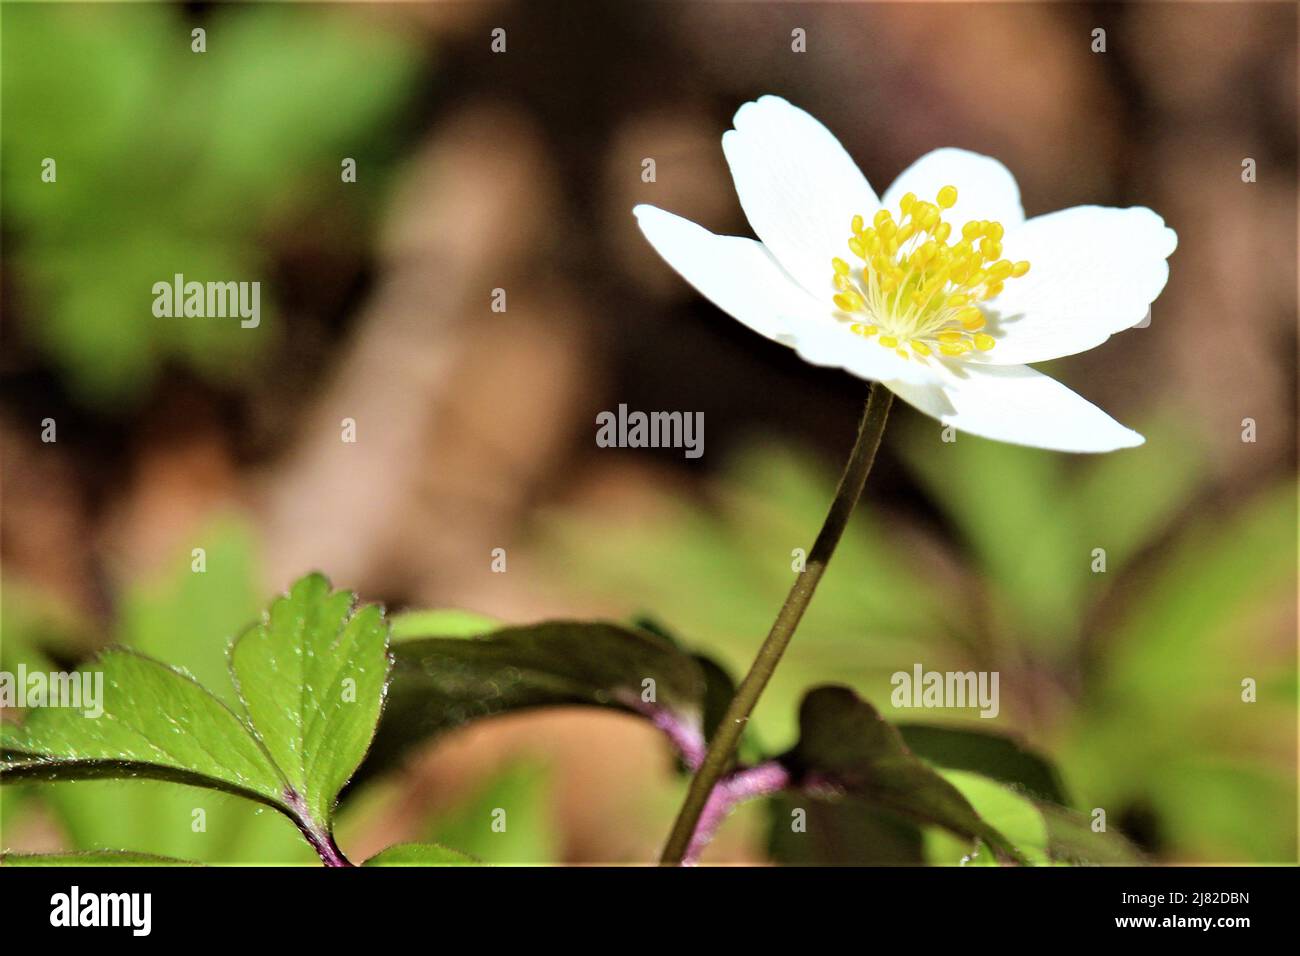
{"type": "Point", "coordinates": [942, 290]}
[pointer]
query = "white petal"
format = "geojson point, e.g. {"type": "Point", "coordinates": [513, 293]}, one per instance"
{"type": "Point", "coordinates": [798, 187]}
{"type": "Point", "coordinates": [985, 188]}
{"type": "Point", "coordinates": [1093, 271]}
{"type": "Point", "coordinates": [1014, 403]}
{"type": "Point", "coordinates": [737, 275]}
{"type": "Point", "coordinates": [740, 277]}
{"type": "Point", "coordinates": [830, 344]}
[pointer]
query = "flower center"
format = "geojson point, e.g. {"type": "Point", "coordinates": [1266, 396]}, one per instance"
{"type": "Point", "coordinates": [915, 290]}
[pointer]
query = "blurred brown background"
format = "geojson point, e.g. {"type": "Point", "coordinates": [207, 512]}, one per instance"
{"type": "Point", "coordinates": [518, 171]}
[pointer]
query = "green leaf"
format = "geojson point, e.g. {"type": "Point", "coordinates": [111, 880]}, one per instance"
{"type": "Point", "coordinates": [1071, 839]}
{"type": "Point", "coordinates": [997, 756]}
{"type": "Point", "coordinates": [846, 746]}
{"type": "Point", "coordinates": [719, 688]}
{"type": "Point", "coordinates": [441, 623]}
{"type": "Point", "coordinates": [420, 854]}
{"type": "Point", "coordinates": [156, 722]}
{"type": "Point", "coordinates": [841, 831]}
{"type": "Point", "coordinates": [1014, 815]}
{"type": "Point", "coordinates": [311, 676]}
{"type": "Point", "coordinates": [159, 818]}
{"type": "Point", "coordinates": [439, 684]}
{"type": "Point", "coordinates": [91, 858]}
{"type": "Point", "coordinates": [188, 620]}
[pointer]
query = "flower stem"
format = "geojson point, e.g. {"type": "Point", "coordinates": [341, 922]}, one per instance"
{"type": "Point", "coordinates": [723, 745]}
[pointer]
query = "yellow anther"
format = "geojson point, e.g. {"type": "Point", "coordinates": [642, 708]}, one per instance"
{"type": "Point", "coordinates": [1001, 270]}
{"type": "Point", "coordinates": [915, 293]}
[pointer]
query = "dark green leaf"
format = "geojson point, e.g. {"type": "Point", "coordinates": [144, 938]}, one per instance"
{"type": "Point", "coordinates": [844, 831]}
{"type": "Point", "coordinates": [1071, 839]}
{"type": "Point", "coordinates": [846, 746]}
{"type": "Point", "coordinates": [439, 684]}
{"type": "Point", "coordinates": [993, 755]}
{"type": "Point", "coordinates": [719, 688]}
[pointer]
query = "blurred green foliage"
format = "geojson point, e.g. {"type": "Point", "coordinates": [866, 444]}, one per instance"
{"type": "Point", "coordinates": [1129, 680]}
{"type": "Point", "coordinates": [716, 576]}
{"type": "Point", "coordinates": [506, 820]}
{"type": "Point", "coordinates": [170, 161]}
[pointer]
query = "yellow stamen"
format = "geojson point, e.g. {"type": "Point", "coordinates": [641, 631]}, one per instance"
{"type": "Point", "coordinates": [915, 288]}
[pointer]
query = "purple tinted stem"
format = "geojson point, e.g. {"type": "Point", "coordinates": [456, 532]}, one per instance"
{"type": "Point", "coordinates": [758, 781]}
{"type": "Point", "coordinates": [321, 840]}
